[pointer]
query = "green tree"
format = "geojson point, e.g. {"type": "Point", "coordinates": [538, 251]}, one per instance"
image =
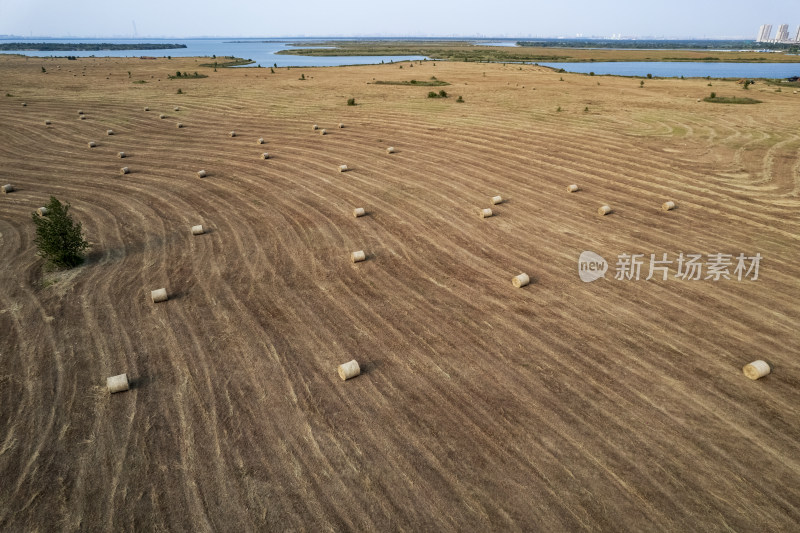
{"type": "Point", "coordinates": [59, 239]}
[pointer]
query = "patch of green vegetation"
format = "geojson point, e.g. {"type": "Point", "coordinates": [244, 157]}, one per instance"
{"type": "Point", "coordinates": [231, 62]}
{"type": "Point", "coordinates": [415, 83]}
{"type": "Point", "coordinates": [139, 81]}
{"type": "Point", "coordinates": [714, 99]}
{"type": "Point", "coordinates": [440, 94]}
{"type": "Point", "coordinates": [351, 101]}
{"type": "Point", "coordinates": [187, 76]}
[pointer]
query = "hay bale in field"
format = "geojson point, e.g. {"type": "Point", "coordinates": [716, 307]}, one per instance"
{"type": "Point", "coordinates": [198, 230]}
{"type": "Point", "coordinates": [390, 150]}
{"type": "Point", "coordinates": [497, 200]}
{"type": "Point", "coordinates": [46, 122]}
{"type": "Point", "coordinates": [520, 280]}
{"type": "Point", "coordinates": [92, 144]}
{"type": "Point", "coordinates": [124, 170]}
{"type": "Point", "coordinates": [322, 132]}
{"type": "Point", "coordinates": [359, 212]}
{"type": "Point", "coordinates": [349, 370]}
{"type": "Point", "coordinates": [179, 125]}
{"type": "Point", "coordinates": [604, 210]}
{"type": "Point", "coordinates": [573, 188]}
{"type": "Point", "coordinates": [756, 369]}
{"type": "Point", "coordinates": [176, 108]}
{"type": "Point", "coordinates": [232, 134]}
{"type": "Point", "coordinates": [109, 132]}
{"type": "Point", "coordinates": [343, 168]}
{"type": "Point", "coordinates": [315, 127]}
{"type": "Point", "coordinates": [24, 104]}
{"type": "Point", "coordinates": [162, 115]}
{"type": "Point", "coordinates": [158, 295]}
{"type": "Point", "coordinates": [357, 257]}
{"type": "Point", "coordinates": [485, 213]}
{"type": "Point", "coordinates": [265, 155]}
{"type": "Point", "coordinates": [201, 174]}
{"type": "Point", "coordinates": [82, 117]}
{"type": "Point", "coordinates": [118, 383]}
{"type": "Point", "coordinates": [80, 112]}
{"type": "Point", "coordinates": [668, 206]}
{"type": "Point", "coordinates": [121, 155]}
{"type": "Point", "coordinates": [260, 141]}
{"type": "Point", "coordinates": [42, 211]}
{"type": "Point", "coordinates": [8, 188]}
{"type": "Point", "coordinates": [147, 109]}
{"type": "Point", "coordinates": [341, 125]}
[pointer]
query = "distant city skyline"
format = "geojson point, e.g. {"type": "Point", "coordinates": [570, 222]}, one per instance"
{"type": "Point", "coordinates": [781, 36]}
{"type": "Point", "coordinates": [678, 19]}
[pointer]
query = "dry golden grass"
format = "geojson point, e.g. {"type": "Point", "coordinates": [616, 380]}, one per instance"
{"type": "Point", "coordinates": [557, 406]}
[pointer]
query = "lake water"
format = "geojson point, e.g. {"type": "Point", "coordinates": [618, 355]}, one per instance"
{"type": "Point", "coordinates": [261, 51]}
{"type": "Point", "coordinates": [689, 70]}
{"type": "Point", "coordinates": [264, 53]}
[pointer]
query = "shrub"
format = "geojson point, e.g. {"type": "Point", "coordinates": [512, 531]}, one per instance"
{"type": "Point", "coordinates": [351, 101]}
{"type": "Point", "coordinates": [432, 94]}
{"type": "Point", "coordinates": [179, 91]}
{"type": "Point", "coordinates": [443, 93]}
{"type": "Point", "coordinates": [558, 109]}
{"type": "Point", "coordinates": [302, 76]}
{"type": "Point", "coordinates": [59, 239]}
{"type": "Point", "coordinates": [713, 95]}
{"type": "Point", "coordinates": [178, 74]}
{"type": "Point", "coordinates": [586, 109]}
{"type": "Point", "coordinates": [459, 100]}
{"type": "Point", "coordinates": [649, 76]}
{"type": "Point", "coordinates": [641, 83]}
{"type": "Point", "coordinates": [591, 73]}
{"type": "Point", "coordinates": [44, 70]}
{"type": "Point", "coordinates": [271, 71]}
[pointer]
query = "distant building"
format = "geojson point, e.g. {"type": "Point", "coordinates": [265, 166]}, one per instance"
{"type": "Point", "coordinates": [797, 37]}
{"type": "Point", "coordinates": [764, 32]}
{"type": "Point", "coordinates": [783, 33]}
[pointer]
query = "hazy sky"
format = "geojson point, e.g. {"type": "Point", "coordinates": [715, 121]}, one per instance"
{"type": "Point", "coordinates": [513, 18]}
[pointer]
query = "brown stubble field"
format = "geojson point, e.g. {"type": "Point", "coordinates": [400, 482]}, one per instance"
{"type": "Point", "coordinates": [560, 406]}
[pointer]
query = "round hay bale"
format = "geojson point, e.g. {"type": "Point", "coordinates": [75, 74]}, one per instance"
{"type": "Point", "coordinates": [24, 104]}
{"type": "Point", "coordinates": [756, 369]}
{"type": "Point", "coordinates": [343, 168]}
{"type": "Point", "coordinates": [118, 383]}
{"type": "Point", "coordinates": [42, 211]}
{"type": "Point", "coordinates": [92, 144]}
{"type": "Point", "coordinates": [124, 170]}
{"type": "Point", "coordinates": [315, 127]}
{"type": "Point", "coordinates": [260, 141]}
{"type": "Point", "coordinates": [668, 206]}
{"type": "Point", "coordinates": [82, 117]}
{"type": "Point", "coordinates": [485, 213]}
{"type": "Point", "coordinates": [359, 212]}
{"type": "Point", "coordinates": [109, 132]}
{"type": "Point", "coordinates": [349, 370]}
{"type": "Point", "coordinates": [520, 280]}
{"type": "Point", "coordinates": [265, 155]}
{"type": "Point", "coordinates": [322, 132]}
{"type": "Point", "coordinates": [201, 173]}
{"type": "Point", "coordinates": [46, 122]}
{"type": "Point", "coordinates": [573, 188]}
{"type": "Point", "coordinates": [147, 109]}
{"type": "Point", "coordinates": [699, 100]}
{"type": "Point", "coordinates": [497, 200]}
{"type": "Point", "coordinates": [179, 125]}
{"type": "Point", "coordinates": [232, 134]}
{"type": "Point", "coordinates": [176, 108]}
{"type": "Point", "coordinates": [198, 230]}
{"type": "Point", "coordinates": [341, 125]}
{"type": "Point", "coordinates": [158, 295]}
{"type": "Point", "coordinates": [162, 115]}
{"type": "Point", "coordinates": [80, 112]}
{"type": "Point", "coordinates": [357, 257]}
{"type": "Point", "coordinates": [121, 155]}
{"type": "Point", "coordinates": [390, 150]}
{"type": "Point", "coordinates": [8, 188]}
{"type": "Point", "coordinates": [604, 210]}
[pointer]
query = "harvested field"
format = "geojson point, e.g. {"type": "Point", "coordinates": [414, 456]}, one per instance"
{"type": "Point", "coordinates": [558, 406]}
